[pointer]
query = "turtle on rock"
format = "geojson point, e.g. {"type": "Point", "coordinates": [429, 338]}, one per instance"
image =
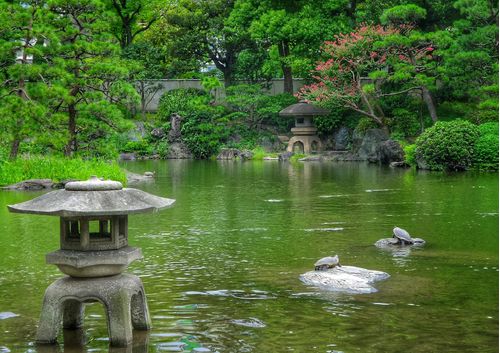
{"type": "Point", "coordinates": [326, 263]}
{"type": "Point", "coordinates": [402, 236]}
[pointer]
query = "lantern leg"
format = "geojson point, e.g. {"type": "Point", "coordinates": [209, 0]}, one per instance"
{"type": "Point", "coordinates": [119, 318]}
{"type": "Point", "coordinates": [50, 318]}
{"type": "Point", "coordinates": [140, 311]}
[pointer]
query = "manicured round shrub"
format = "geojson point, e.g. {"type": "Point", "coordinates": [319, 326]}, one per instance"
{"type": "Point", "coordinates": [448, 145]}
{"type": "Point", "coordinates": [486, 148]}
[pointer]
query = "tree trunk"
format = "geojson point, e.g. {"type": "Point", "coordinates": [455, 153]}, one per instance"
{"type": "Point", "coordinates": [427, 97]}
{"type": "Point", "coordinates": [71, 146]}
{"type": "Point", "coordinates": [284, 52]}
{"type": "Point", "coordinates": [14, 149]}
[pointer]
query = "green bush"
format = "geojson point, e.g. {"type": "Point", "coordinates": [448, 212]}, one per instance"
{"type": "Point", "coordinates": [204, 132]}
{"type": "Point", "coordinates": [486, 147]}
{"type": "Point", "coordinates": [448, 145]}
{"type": "Point", "coordinates": [181, 101]}
{"type": "Point", "coordinates": [58, 169]}
{"type": "Point", "coordinates": [410, 157]}
{"type": "Point", "coordinates": [139, 147]}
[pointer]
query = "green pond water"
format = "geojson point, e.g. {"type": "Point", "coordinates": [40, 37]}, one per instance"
{"type": "Point", "coordinates": [221, 268]}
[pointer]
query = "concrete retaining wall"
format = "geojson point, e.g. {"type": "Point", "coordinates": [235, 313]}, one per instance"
{"type": "Point", "coordinates": [158, 87]}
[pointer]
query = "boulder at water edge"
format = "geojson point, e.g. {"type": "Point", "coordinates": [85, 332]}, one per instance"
{"type": "Point", "coordinates": [348, 279]}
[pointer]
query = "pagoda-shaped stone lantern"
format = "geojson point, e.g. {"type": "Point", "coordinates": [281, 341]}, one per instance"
{"type": "Point", "coordinates": [305, 139]}
{"type": "Point", "coordinates": [94, 253]}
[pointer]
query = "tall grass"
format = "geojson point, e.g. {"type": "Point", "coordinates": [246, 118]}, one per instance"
{"type": "Point", "coordinates": [58, 169]}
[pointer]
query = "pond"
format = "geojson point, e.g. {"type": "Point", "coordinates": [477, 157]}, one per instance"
{"type": "Point", "coordinates": [221, 267]}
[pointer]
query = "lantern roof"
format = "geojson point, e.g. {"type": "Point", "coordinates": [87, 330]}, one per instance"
{"type": "Point", "coordinates": [303, 108]}
{"type": "Point", "coordinates": [93, 197]}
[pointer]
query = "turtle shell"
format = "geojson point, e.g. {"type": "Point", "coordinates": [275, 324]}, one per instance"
{"type": "Point", "coordinates": [402, 234]}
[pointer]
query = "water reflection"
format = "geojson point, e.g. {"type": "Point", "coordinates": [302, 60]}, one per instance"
{"type": "Point", "coordinates": [75, 341]}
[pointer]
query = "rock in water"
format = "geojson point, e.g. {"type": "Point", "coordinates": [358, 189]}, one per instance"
{"type": "Point", "coordinates": [391, 243]}
{"type": "Point", "coordinates": [348, 279]}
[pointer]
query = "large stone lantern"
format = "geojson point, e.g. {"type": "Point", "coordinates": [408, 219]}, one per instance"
{"type": "Point", "coordinates": [94, 253]}
{"type": "Point", "coordinates": [305, 139]}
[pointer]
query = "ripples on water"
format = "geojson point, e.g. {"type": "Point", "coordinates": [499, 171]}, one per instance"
{"type": "Point", "coordinates": [221, 267]}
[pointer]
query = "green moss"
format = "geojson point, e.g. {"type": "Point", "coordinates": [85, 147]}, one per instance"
{"type": "Point", "coordinates": [58, 169]}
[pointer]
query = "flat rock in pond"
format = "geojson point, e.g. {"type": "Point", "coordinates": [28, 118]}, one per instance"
{"type": "Point", "coordinates": [388, 243]}
{"type": "Point", "coordinates": [31, 184]}
{"type": "Point", "coordinates": [348, 279]}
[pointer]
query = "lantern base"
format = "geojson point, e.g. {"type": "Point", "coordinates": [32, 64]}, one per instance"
{"type": "Point", "coordinates": [123, 298]}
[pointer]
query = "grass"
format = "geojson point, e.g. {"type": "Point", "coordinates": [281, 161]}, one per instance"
{"type": "Point", "coordinates": [295, 158]}
{"type": "Point", "coordinates": [259, 153]}
{"type": "Point", "coordinates": [58, 169]}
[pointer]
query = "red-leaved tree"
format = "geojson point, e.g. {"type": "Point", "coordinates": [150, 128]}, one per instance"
{"type": "Point", "coordinates": [362, 67]}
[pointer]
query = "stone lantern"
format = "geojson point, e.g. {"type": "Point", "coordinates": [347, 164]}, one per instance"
{"type": "Point", "coordinates": [94, 253]}
{"type": "Point", "coordinates": [304, 138]}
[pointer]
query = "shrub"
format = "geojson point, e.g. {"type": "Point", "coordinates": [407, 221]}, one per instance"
{"type": "Point", "coordinates": [448, 145]}
{"type": "Point", "coordinates": [486, 147]}
{"type": "Point", "coordinates": [410, 157]}
{"type": "Point", "coordinates": [140, 147]}
{"type": "Point", "coordinates": [204, 132]}
{"type": "Point", "coordinates": [180, 101]}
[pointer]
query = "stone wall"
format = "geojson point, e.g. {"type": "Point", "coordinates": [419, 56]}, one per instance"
{"type": "Point", "coordinates": [152, 98]}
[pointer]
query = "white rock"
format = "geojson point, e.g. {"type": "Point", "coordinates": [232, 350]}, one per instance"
{"type": "Point", "coordinates": [349, 279]}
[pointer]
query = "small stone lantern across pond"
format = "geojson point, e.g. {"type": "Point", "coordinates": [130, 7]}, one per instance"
{"type": "Point", "coordinates": [305, 139]}
{"type": "Point", "coordinates": [94, 253]}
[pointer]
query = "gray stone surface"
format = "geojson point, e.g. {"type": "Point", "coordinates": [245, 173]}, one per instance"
{"type": "Point", "coordinates": [93, 184]}
{"type": "Point", "coordinates": [178, 150]}
{"type": "Point", "coordinates": [233, 153]}
{"type": "Point", "coordinates": [390, 151]}
{"type": "Point", "coordinates": [123, 298]}
{"type": "Point", "coordinates": [348, 279]}
{"type": "Point", "coordinates": [369, 148]}
{"type": "Point", "coordinates": [93, 263]}
{"type": "Point", "coordinates": [67, 203]}
{"type": "Point", "coordinates": [285, 156]}
{"type": "Point", "coordinates": [31, 184]}
{"type": "Point", "coordinates": [127, 156]}
{"type": "Point", "coordinates": [174, 135]}
{"type": "Point", "coordinates": [390, 243]}
{"type": "Point", "coordinates": [303, 108]}
{"type": "Point", "coordinates": [136, 178]}
{"type": "Point", "coordinates": [342, 139]}
{"type": "Point", "coordinates": [399, 165]}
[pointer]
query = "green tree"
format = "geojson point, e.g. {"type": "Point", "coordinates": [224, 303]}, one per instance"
{"type": "Point", "coordinates": [132, 17]}
{"type": "Point", "coordinates": [22, 47]}
{"type": "Point", "coordinates": [86, 67]}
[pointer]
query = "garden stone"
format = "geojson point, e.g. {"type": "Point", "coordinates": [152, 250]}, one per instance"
{"type": "Point", "coordinates": [158, 133]}
{"type": "Point", "coordinates": [390, 151]}
{"type": "Point", "coordinates": [128, 156]}
{"type": "Point", "coordinates": [285, 156]}
{"type": "Point", "coordinates": [174, 135]}
{"type": "Point", "coordinates": [399, 165]}
{"type": "Point", "coordinates": [234, 153]}
{"type": "Point", "coordinates": [369, 149]}
{"type": "Point", "coordinates": [348, 279]}
{"type": "Point", "coordinates": [390, 243]}
{"type": "Point", "coordinates": [31, 184]}
{"type": "Point", "coordinates": [342, 139]}
{"type": "Point", "coordinates": [179, 150]}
